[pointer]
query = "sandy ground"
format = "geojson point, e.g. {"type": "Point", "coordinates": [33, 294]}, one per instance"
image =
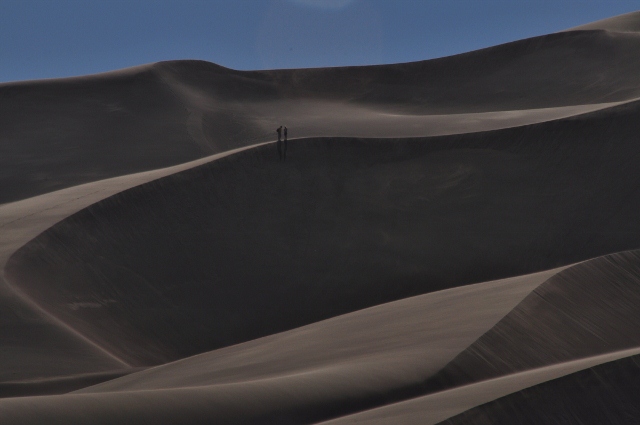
{"type": "Point", "coordinates": [157, 256]}
{"type": "Point", "coordinates": [36, 344]}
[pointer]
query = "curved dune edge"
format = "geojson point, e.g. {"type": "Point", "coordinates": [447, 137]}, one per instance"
{"type": "Point", "coordinates": [585, 310]}
{"type": "Point", "coordinates": [438, 407]}
{"type": "Point", "coordinates": [335, 366]}
{"type": "Point", "coordinates": [628, 22]}
{"type": "Point", "coordinates": [64, 351]}
{"type": "Point", "coordinates": [456, 192]}
{"type": "Point", "coordinates": [23, 220]}
{"type": "Point", "coordinates": [364, 114]}
{"type": "Point", "coordinates": [606, 393]}
{"type": "Point", "coordinates": [260, 401]}
{"type": "Point", "coordinates": [416, 334]}
{"type": "Point", "coordinates": [171, 112]}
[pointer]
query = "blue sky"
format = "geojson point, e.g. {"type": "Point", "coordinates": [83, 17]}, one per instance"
{"type": "Point", "coordinates": [57, 38]}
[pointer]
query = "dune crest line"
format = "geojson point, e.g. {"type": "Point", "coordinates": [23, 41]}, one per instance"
{"type": "Point", "coordinates": [446, 240]}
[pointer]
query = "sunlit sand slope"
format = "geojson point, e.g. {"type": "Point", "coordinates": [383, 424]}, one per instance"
{"type": "Point", "coordinates": [629, 22]}
{"type": "Point", "coordinates": [60, 133]}
{"type": "Point", "coordinates": [39, 352]}
{"type": "Point", "coordinates": [375, 357]}
{"type": "Point", "coordinates": [580, 317]}
{"type": "Point", "coordinates": [606, 394]}
{"type": "Point", "coordinates": [585, 310]}
{"type": "Point", "coordinates": [337, 366]}
{"type": "Point", "coordinates": [247, 246]}
{"type": "Point", "coordinates": [440, 406]}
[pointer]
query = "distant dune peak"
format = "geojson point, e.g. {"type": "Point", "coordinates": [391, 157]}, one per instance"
{"type": "Point", "coordinates": [629, 22]}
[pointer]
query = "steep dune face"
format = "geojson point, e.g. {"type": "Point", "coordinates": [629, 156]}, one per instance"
{"type": "Point", "coordinates": [585, 310]}
{"type": "Point", "coordinates": [413, 99]}
{"type": "Point", "coordinates": [60, 133]}
{"type": "Point", "coordinates": [379, 355]}
{"type": "Point", "coordinates": [67, 132]}
{"type": "Point", "coordinates": [418, 332]}
{"type": "Point", "coordinates": [247, 246]}
{"type": "Point", "coordinates": [39, 352]}
{"type": "Point", "coordinates": [570, 68]}
{"type": "Point", "coordinates": [438, 407]}
{"type": "Point", "coordinates": [603, 394]}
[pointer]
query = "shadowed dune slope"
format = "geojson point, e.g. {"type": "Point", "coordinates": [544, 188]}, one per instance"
{"type": "Point", "coordinates": [247, 246]}
{"type": "Point", "coordinates": [329, 368]}
{"type": "Point", "coordinates": [605, 394]}
{"type": "Point", "coordinates": [32, 347]}
{"type": "Point", "coordinates": [417, 335]}
{"type": "Point", "coordinates": [588, 309]}
{"type": "Point", "coordinates": [437, 407]}
{"type": "Point", "coordinates": [581, 315]}
{"type": "Point", "coordinates": [324, 286]}
{"type": "Point", "coordinates": [567, 68]}
{"type": "Point", "coordinates": [34, 344]}
{"type": "Point", "coordinates": [60, 133]}
{"type": "Point", "coordinates": [58, 385]}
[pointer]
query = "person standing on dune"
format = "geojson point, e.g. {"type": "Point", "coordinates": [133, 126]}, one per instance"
{"type": "Point", "coordinates": [284, 156]}
{"type": "Point", "coordinates": [279, 143]}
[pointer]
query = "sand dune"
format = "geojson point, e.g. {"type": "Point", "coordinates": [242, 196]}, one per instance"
{"type": "Point", "coordinates": [415, 324]}
{"type": "Point", "coordinates": [352, 362]}
{"type": "Point", "coordinates": [158, 258]}
{"type": "Point", "coordinates": [61, 133]}
{"type": "Point", "coordinates": [26, 354]}
{"type": "Point", "coordinates": [629, 22]}
{"type": "Point", "coordinates": [586, 310]}
{"type": "Point", "coordinates": [380, 354]}
{"type": "Point", "coordinates": [247, 246]}
{"type": "Point", "coordinates": [440, 406]}
{"type": "Point", "coordinates": [602, 394]}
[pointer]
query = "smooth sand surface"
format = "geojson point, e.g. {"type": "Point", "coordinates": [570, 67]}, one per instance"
{"type": "Point", "coordinates": [35, 344]}
{"type": "Point", "coordinates": [440, 406]}
{"type": "Point", "coordinates": [152, 243]}
{"type": "Point", "coordinates": [601, 394]}
{"type": "Point", "coordinates": [264, 401]}
{"type": "Point", "coordinates": [389, 349]}
{"type": "Point", "coordinates": [62, 133]}
{"type": "Point", "coordinates": [247, 246]}
{"type": "Point", "coordinates": [588, 309]}
{"type": "Point", "coordinates": [58, 385]}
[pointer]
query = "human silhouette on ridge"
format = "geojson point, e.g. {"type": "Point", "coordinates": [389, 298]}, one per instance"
{"type": "Point", "coordinates": [279, 143]}
{"type": "Point", "coordinates": [284, 154]}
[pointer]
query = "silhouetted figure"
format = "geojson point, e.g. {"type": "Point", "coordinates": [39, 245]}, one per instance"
{"type": "Point", "coordinates": [279, 143]}
{"type": "Point", "coordinates": [284, 154]}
